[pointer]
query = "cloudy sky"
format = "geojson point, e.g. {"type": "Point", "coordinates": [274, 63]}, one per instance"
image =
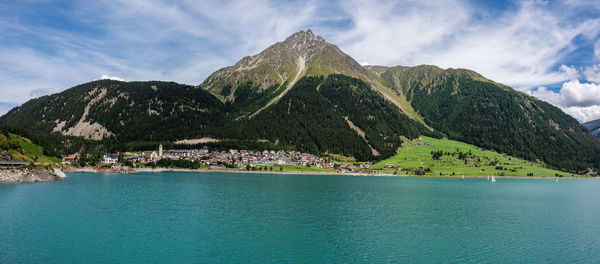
{"type": "Point", "coordinates": [550, 49]}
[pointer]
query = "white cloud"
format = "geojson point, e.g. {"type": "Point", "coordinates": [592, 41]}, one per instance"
{"type": "Point", "coordinates": [106, 77]}
{"type": "Point", "coordinates": [592, 74]}
{"type": "Point", "coordinates": [178, 41]}
{"type": "Point", "coordinates": [579, 94]}
{"type": "Point", "coordinates": [571, 72]}
{"type": "Point", "coordinates": [547, 95]}
{"type": "Point", "coordinates": [392, 33]}
{"type": "Point", "coordinates": [580, 100]}
{"type": "Point", "coordinates": [519, 47]}
{"type": "Point", "coordinates": [584, 114]}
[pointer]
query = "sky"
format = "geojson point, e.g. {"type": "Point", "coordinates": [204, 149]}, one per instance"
{"type": "Point", "coordinates": [548, 49]}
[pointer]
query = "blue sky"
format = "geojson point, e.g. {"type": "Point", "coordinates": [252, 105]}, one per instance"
{"type": "Point", "coordinates": [548, 49]}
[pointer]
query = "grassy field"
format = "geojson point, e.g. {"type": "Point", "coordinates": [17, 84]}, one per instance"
{"type": "Point", "coordinates": [32, 151]}
{"type": "Point", "coordinates": [460, 159]}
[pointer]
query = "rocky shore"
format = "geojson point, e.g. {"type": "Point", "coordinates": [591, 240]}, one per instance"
{"type": "Point", "coordinates": [31, 175]}
{"type": "Point", "coordinates": [114, 169]}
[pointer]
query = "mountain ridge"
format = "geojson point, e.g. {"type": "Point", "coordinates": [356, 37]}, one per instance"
{"type": "Point", "coordinates": [594, 127]}
{"type": "Point", "coordinates": [253, 98]}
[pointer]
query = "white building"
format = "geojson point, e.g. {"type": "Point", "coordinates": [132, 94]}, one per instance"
{"type": "Point", "coordinates": [110, 158]}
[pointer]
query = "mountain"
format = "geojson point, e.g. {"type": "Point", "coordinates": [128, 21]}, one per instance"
{"type": "Point", "coordinates": [302, 53]}
{"type": "Point", "coordinates": [594, 127]}
{"type": "Point", "coordinates": [467, 107]}
{"type": "Point", "coordinates": [306, 93]}
{"type": "Point", "coordinates": [337, 114]}
{"type": "Point", "coordinates": [256, 82]}
{"type": "Point", "coordinates": [130, 111]}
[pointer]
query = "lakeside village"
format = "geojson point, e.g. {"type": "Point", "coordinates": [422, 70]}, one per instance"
{"type": "Point", "coordinates": [236, 159]}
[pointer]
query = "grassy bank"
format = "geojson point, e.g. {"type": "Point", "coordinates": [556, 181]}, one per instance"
{"type": "Point", "coordinates": [449, 157]}
{"type": "Point", "coordinates": [25, 150]}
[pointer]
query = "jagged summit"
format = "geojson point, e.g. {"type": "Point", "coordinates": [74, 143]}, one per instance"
{"type": "Point", "coordinates": [304, 42]}
{"type": "Point", "coordinates": [302, 53]}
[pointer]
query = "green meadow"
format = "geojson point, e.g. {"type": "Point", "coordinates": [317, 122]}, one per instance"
{"type": "Point", "coordinates": [29, 151]}
{"type": "Point", "coordinates": [449, 157]}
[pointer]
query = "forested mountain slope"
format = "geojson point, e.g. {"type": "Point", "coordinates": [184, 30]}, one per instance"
{"type": "Point", "coordinates": [128, 111]}
{"type": "Point", "coordinates": [469, 108]}
{"type": "Point", "coordinates": [338, 114]}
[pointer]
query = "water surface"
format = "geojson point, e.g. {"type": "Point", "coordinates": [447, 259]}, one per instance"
{"type": "Point", "coordinates": [258, 218]}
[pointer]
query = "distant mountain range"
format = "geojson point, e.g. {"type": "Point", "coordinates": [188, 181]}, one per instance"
{"type": "Point", "coordinates": [308, 94]}
{"type": "Point", "coordinates": [594, 127]}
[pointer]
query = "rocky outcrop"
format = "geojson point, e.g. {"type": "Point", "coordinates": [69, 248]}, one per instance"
{"type": "Point", "coordinates": [113, 169]}
{"type": "Point", "coordinates": [31, 175]}
{"type": "Point", "coordinates": [87, 129]}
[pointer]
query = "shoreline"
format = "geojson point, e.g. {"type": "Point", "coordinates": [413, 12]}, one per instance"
{"type": "Point", "coordinates": [21, 175]}
{"type": "Point", "coordinates": [151, 170]}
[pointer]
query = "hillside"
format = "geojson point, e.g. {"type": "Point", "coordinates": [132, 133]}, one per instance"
{"type": "Point", "coordinates": [335, 115]}
{"type": "Point", "coordinates": [449, 157]}
{"type": "Point", "coordinates": [343, 117]}
{"type": "Point", "coordinates": [306, 93]}
{"type": "Point", "coordinates": [593, 127]}
{"type": "Point", "coordinates": [14, 147]}
{"type": "Point", "coordinates": [469, 108]}
{"type": "Point", "coordinates": [128, 111]}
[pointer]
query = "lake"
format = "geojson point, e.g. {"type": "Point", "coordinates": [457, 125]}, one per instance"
{"type": "Point", "coordinates": [256, 218]}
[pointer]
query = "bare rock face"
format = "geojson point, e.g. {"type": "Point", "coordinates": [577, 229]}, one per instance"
{"type": "Point", "coordinates": [84, 128]}
{"type": "Point", "coordinates": [30, 175]}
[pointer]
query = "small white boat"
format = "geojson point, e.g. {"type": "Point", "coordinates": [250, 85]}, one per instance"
{"type": "Point", "coordinates": [493, 178]}
{"type": "Point", "coordinates": [462, 178]}
{"type": "Point", "coordinates": [488, 177]}
{"type": "Point", "coordinates": [556, 179]}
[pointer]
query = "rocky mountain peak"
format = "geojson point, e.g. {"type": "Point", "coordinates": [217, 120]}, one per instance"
{"type": "Point", "coordinates": [304, 42]}
{"type": "Point", "coordinates": [303, 37]}
{"type": "Point", "coordinates": [301, 54]}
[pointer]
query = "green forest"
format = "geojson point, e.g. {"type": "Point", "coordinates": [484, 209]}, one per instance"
{"type": "Point", "coordinates": [333, 115]}
{"type": "Point", "coordinates": [507, 121]}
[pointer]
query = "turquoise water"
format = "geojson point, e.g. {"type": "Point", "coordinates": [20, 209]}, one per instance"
{"type": "Point", "coordinates": [256, 218]}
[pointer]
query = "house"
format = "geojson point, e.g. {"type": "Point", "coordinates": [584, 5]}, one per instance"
{"type": "Point", "coordinates": [390, 166]}
{"type": "Point", "coordinates": [110, 158]}
{"type": "Point", "coordinates": [135, 159]}
{"type": "Point", "coordinates": [71, 158]}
